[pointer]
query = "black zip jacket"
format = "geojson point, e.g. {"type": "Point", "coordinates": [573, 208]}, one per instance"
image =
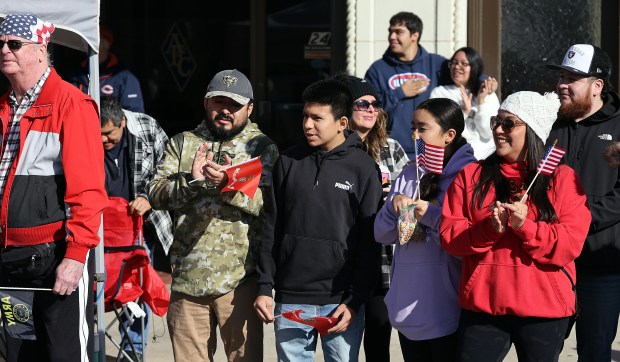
{"type": "Point", "coordinates": [318, 245]}
{"type": "Point", "coordinates": [585, 143]}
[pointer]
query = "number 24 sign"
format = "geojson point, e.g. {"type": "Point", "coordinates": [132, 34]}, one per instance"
{"type": "Point", "coordinates": [319, 38]}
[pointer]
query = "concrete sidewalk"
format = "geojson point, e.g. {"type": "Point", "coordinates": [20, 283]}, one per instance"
{"type": "Point", "coordinates": [159, 348]}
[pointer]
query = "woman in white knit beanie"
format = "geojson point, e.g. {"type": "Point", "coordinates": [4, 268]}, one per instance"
{"type": "Point", "coordinates": [518, 266]}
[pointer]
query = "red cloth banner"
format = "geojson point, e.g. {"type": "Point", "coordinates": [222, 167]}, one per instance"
{"type": "Point", "coordinates": [321, 324]}
{"type": "Point", "coordinates": [244, 177]}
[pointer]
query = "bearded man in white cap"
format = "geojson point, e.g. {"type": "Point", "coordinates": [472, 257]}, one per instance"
{"type": "Point", "coordinates": [52, 196]}
{"type": "Point", "coordinates": [588, 125]}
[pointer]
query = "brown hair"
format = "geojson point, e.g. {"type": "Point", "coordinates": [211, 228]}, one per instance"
{"type": "Point", "coordinates": [377, 137]}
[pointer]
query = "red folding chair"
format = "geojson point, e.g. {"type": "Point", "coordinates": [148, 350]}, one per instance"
{"type": "Point", "coordinates": [130, 278]}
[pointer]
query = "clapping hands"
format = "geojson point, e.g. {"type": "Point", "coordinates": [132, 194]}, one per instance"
{"type": "Point", "coordinates": [487, 87]}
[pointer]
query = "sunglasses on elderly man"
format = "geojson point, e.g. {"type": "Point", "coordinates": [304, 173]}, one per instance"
{"type": "Point", "coordinates": [364, 105]}
{"type": "Point", "coordinates": [507, 124]}
{"type": "Point", "coordinates": [15, 44]}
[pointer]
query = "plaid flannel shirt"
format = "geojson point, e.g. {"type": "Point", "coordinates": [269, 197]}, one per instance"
{"type": "Point", "coordinates": [392, 156]}
{"type": "Point", "coordinates": [148, 151]}
{"type": "Point", "coordinates": [11, 138]}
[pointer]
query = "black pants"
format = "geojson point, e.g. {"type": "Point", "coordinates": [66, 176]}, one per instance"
{"type": "Point", "coordinates": [442, 349]}
{"type": "Point", "coordinates": [64, 324]}
{"type": "Point", "coordinates": [484, 337]}
{"type": "Point", "coordinates": [377, 329]}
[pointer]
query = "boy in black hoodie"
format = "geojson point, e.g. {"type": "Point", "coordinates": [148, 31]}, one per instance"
{"type": "Point", "coordinates": [318, 251]}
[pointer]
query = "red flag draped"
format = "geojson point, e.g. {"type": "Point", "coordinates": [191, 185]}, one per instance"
{"type": "Point", "coordinates": [321, 324]}
{"type": "Point", "coordinates": [124, 259]}
{"type": "Point", "coordinates": [244, 177]}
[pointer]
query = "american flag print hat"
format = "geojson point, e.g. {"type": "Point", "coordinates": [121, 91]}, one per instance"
{"type": "Point", "coordinates": [27, 26]}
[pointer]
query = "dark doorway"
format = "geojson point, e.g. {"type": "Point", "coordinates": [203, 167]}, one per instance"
{"type": "Point", "coordinates": [175, 50]}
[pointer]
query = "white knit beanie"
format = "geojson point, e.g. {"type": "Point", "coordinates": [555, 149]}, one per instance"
{"type": "Point", "coordinates": [538, 111]}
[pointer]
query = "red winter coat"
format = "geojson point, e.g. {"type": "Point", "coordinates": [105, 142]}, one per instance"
{"type": "Point", "coordinates": [518, 272]}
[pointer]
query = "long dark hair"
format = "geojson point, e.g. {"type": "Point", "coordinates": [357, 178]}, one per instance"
{"type": "Point", "coordinates": [448, 115]}
{"type": "Point", "coordinates": [490, 175]}
{"type": "Point", "coordinates": [476, 68]}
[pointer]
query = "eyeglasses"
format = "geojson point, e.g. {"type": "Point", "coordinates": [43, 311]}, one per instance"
{"type": "Point", "coordinates": [364, 105]}
{"type": "Point", "coordinates": [507, 124]}
{"type": "Point", "coordinates": [453, 63]}
{"type": "Point", "coordinates": [14, 44]}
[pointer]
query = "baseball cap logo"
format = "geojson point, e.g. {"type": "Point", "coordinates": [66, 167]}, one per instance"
{"type": "Point", "coordinates": [229, 81]}
{"type": "Point", "coordinates": [570, 54]}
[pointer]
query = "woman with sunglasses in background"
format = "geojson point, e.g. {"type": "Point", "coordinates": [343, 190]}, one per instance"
{"type": "Point", "coordinates": [518, 251]}
{"type": "Point", "coordinates": [422, 301]}
{"type": "Point", "coordinates": [475, 93]}
{"type": "Point", "coordinates": [369, 120]}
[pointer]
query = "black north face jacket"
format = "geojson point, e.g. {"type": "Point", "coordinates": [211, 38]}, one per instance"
{"type": "Point", "coordinates": [585, 143]}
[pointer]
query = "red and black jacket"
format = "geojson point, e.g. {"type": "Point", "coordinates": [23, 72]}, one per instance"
{"type": "Point", "coordinates": [55, 187]}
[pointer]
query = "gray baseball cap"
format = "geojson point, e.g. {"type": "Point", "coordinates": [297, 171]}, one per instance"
{"type": "Point", "coordinates": [232, 84]}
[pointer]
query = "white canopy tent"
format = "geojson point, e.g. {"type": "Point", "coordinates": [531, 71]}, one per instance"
{"type": "Point", "coordinates": [77, 27]}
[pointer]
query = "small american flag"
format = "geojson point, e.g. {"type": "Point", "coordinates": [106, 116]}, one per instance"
{"type": "Point", "coordinates": [551, 160]}
{"type": "Point", "coordinates": [429, 156]}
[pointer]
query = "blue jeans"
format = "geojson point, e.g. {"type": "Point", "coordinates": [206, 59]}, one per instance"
{"type": "Point", "coordinates": [297, 342]}
{"type": "Point", "coordinates": [135, 331]}
{"type": "Point", "coordinates": [599, 296]}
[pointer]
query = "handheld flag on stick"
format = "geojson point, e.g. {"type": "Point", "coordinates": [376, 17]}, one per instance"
{"type": "Point", "coordinates": [551, 160]}
{"type": "Point", "coordinates": [429, 156]}
{"type": "Point", "coordinates": [547, 165]}
{"type": "Point", "coordinates": [321, 324]}
{"type": "Point", "coordinates": [244, 177]}
{"type": "Point", "coordinates": [417, 165]}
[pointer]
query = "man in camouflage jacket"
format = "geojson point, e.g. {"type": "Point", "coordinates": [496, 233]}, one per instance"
{"type": "Point", "coordinates": [217, 235]}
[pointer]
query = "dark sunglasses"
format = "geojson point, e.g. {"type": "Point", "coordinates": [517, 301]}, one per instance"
{"type": "Point", "coordinates": [364, 105]}
{"type": "Point", "coordinates": [15, 44]}
{"type": "Point", "coordinates": [507, 124]}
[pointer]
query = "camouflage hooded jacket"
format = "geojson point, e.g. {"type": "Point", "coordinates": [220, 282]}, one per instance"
{"type": "Point", "coordinates": [217, 235]}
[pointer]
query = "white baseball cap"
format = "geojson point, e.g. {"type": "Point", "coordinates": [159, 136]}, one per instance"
{"type": "Point", "coordinates": [586, 60]}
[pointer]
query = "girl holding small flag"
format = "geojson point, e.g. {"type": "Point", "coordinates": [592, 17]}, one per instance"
{"type": "Point", "coordinates": [422, 302]}
{"type": "Point", "coordinates": [518, 220]}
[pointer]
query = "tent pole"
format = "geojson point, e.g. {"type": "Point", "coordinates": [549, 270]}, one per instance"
{"type": "Point", "coordinates": [93, 90]}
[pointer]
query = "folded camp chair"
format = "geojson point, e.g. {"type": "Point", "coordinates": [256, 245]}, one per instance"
{"type": "Point", "coordinates": [130, 278]}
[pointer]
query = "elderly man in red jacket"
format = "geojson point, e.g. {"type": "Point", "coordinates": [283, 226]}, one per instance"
{"type": "Point", "coordinates": [52, 194]}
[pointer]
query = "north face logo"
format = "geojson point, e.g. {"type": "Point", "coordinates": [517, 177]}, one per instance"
{"type": "Point", "coordinates": [605, 136]}
{"type": "Point", "coordinates": [345, 186]}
